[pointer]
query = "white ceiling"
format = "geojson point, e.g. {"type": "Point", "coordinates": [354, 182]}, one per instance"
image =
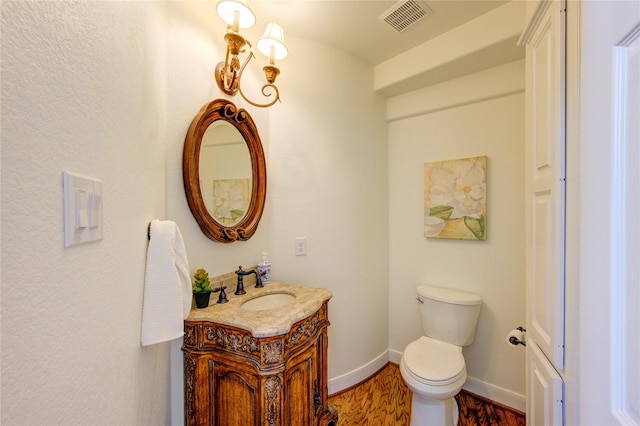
{"type": "Point", "coordinates": [353, 25]}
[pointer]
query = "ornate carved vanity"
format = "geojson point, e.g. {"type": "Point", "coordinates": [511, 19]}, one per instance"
{"type": "Point", "coordinates": [234, 376]}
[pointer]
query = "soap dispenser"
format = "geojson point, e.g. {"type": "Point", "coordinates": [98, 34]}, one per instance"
{"type": "Point", "coordinates": [264, 269]}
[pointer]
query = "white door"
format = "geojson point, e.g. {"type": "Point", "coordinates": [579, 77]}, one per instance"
{"type": "Point", "coordinates": [545, 191]}
{"type": "Point", "coordinates": [545, 179]}
{"type": "Point", "coordinates": [609, 251]}
{"type": "Point", "coordinates": [544, 394]}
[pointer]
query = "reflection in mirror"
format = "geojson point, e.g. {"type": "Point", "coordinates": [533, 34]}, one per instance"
{"type": "Point", "coordinates": [225, 173]}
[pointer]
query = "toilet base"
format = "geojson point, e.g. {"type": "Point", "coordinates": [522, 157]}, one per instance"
{"type": "Point", "coordinates": [434, 412]}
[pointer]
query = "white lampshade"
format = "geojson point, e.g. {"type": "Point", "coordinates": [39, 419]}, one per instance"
{"type": "Point", "coordinates": [226, 9]}
{"type": "Point", "coordinates": [273, 37]}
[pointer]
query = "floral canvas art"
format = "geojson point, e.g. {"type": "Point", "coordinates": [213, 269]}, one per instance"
{"type": "Point", "coordinates": [230, 200]}
{"type": "Point", "coordinates": [455, 199]}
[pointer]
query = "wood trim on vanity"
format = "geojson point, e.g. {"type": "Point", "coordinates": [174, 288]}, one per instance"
{"type": "Point", "coordinates": [226, 366]}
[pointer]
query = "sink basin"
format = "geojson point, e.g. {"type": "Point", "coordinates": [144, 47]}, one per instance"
{"type": "Point", "coordinates": [268, 301]}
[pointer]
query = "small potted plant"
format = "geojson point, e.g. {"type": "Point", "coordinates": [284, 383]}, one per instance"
{"type": "Point", "coordinates": [201, 288]}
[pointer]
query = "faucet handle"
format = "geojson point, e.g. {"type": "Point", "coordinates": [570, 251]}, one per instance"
{"type": "Point", "coordinates": [222, 298]}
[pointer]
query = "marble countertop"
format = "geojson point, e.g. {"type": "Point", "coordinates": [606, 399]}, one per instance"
{"type": "Point", "coordinates": [267, 322]}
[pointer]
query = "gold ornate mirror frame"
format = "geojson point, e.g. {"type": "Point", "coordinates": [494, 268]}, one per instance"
{"type": "Point", "coordinates": [222, 109]}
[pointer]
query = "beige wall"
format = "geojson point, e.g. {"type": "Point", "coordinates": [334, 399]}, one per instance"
{"type": "Point", "coordinates": [449, 125]}
{"type": "Point", "coordinates": [328, 183]}
{"type": "Point", "coordinates": [83, 90]}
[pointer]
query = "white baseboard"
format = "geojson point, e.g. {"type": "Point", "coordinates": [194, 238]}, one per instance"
{"type": "Point", "coordinates": [496, 393]}
{"type": "Point", "coordinates": [395, 356]}
{"type": "Point", "coordinates": [487, 390]}
{"type": "Point", "coordinates": [358, 375]}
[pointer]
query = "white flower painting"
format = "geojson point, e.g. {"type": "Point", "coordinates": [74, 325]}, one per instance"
{"type": "Point", "coordinates": [455, 199]}
{"type": "Point", "coordinates": [230, 200]}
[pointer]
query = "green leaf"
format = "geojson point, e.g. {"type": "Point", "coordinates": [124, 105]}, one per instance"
{"type": "Point", "coordinates": [476, 226]}
{"type": "Point", "coordinates": [443, 212]}
{"type": "Point", "coordinates": [235, 214]}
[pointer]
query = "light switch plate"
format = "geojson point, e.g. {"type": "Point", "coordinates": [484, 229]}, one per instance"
{"type": "Point", "coordinates": [300, 246]}
{"type": "Point", "coordinates": [82, 209]}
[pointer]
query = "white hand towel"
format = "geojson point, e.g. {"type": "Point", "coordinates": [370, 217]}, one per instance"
{"type": "Point", "coordinates": [167, 287]}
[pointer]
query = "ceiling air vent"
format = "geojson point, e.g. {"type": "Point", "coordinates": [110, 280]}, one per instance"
{"type": "Point", "coordinates": [405, 13]}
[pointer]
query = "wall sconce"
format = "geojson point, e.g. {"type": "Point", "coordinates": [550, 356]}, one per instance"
{"type": "Point", "coordinates": [236, 14]}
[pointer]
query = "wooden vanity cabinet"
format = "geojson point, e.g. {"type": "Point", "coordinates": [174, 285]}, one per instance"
{"type": "Point", "coordinates": [234, 379]}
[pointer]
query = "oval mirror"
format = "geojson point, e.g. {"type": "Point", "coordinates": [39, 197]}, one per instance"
{"type": "Point", "coordinates": [224, 172]}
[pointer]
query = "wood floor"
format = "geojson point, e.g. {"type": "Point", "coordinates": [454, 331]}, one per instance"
{"type": "Point", "coordinates": [385, 400]}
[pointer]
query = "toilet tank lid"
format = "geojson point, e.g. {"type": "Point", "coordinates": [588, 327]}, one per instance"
{"type": "Point", "coordinates": [449, 295]}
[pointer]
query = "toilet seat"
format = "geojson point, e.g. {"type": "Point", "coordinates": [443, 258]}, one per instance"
{"type": "Point", "coordinates": [433, 362]}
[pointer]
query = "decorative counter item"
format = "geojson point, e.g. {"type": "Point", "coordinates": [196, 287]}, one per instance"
{"type": "Point", "coordinates": [201, 288]}
{"type": "Point", "coordinates": [260, 359]}
{"type": "Point", "coordinates": [264, 269]}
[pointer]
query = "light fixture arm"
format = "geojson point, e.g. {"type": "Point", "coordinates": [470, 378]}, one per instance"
{"type": "Point", "coordinates": [264, 90]}
{"type": "Point", "coordinates": [229, 73]}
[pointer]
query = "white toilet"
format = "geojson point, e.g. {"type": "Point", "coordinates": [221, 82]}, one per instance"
{"type": "Point", "coordinates": [433, 366]}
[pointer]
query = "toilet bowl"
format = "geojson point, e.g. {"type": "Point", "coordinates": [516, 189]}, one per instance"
{"type": "Point", "coordinates": [433, 366]}
{"type": "Point", "coordinates": [435, 372]}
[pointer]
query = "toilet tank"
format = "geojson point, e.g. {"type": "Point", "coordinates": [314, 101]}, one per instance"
{"type": "Point", "coordinates": [449, 315]}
